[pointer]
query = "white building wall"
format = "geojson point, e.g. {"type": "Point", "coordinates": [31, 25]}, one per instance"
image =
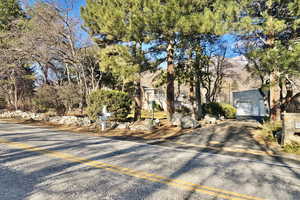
{"type": "Point", "coordinates": [249, 103]}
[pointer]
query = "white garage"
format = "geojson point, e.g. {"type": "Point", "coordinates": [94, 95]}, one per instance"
{"type": "Point", "coordinates": [250, 104]}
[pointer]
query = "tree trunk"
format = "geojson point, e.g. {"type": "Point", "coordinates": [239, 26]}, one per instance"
{"type": "Point", "coordinates": [14, 89]}
{"type": "Point", "coordinates": [138, 98]}
{"type": "Point", "coordinates": [10, 96]}
{"type": "Point", "coordinates": [274, 97]}
{"type": "Point", "coordinates": [68, 73]}
{"type": "Point", "coordinates": [138, 101]}
{"type": "Point", "coordinates": [289, 93]}
{"type": "Point", "coordinates": [170, 80]}
{"type": "Point", "coordinates": [192, 97]}
{"type": "Point", "coordinates": [281, 87]}
{"type": "Point", "coordinates": [178, 90]}
{"type": "Point", "coordinates": [16, 95]}
{"type": "Point", "coordinates": [81, 104]}
{"type": "Point", "coordinates": [198, 99]}
{"type": "Point", "coordinates": [198, 86]}
{"type": "Point", "coordinates": [123, 87]}
{"type": "Point", "coordinates": [274, 85]}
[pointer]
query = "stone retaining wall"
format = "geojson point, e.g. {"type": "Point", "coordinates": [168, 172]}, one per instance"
{"type": "Point", "coordinates": [291, 128]}
{"type": "Point", "coordinates": [63, 120]}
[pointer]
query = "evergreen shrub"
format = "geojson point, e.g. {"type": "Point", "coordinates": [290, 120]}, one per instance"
{"type": "Point", "coordinates": [220, 109]}
{"type": "Point", "coordinates": [116, 101]}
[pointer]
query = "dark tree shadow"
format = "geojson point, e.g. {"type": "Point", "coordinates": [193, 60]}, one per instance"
{"type": "Point", "coordinates": [207, 166]}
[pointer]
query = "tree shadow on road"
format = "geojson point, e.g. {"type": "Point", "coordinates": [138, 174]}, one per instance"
{"type": "Point", "coordinates": [261, 177]}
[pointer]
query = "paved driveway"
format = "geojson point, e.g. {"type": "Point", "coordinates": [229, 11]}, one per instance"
{"type": "Point", "coordinates": [42, 163]}
{"type": "Point", "coordinates": [236, 134]}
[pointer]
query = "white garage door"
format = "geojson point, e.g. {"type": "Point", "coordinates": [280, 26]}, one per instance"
{"type": "Point", "coordinates": [244, 109]}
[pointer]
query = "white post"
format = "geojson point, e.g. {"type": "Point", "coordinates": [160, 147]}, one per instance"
{"type": "Point", "coordinates": [104, 117]}
{"type": "Point", "coordinates": [103, 125]}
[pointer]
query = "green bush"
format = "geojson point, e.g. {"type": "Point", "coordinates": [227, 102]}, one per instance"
{"type": "Point", "coordinates": [117, 102]}
{"type": "Point", "coordinates": [157, 107]}
{"type": "Point", "coordinates": [220, 109]}
{"type": "Point", "coordinates": [229, 111]}
{"type": "Point", "coordinates": [184, 110]}
{"type": "Point", "coordinates": [269, 130]}
{"type": "Point", "coordinates": [212, 108]}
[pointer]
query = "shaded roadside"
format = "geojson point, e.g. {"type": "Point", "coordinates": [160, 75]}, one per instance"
{"type": "Point", "coordinates": [235, 138]}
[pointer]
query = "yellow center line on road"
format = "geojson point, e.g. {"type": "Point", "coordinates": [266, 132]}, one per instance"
{"type": "Point", "coordinates": [134, 173]}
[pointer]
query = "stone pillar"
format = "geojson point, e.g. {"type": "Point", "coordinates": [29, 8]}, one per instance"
{"type": "Point", "coordinates": [290, 126]}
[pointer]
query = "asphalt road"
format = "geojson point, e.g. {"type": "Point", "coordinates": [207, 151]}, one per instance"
{"type": "Point", "coordinates": [41, 163]}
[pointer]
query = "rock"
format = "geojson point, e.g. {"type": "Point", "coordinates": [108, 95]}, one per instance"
{"type": "Point", "coordinates": [94, 125]}
{"type": "Point", "coordinates": [54, 120]}
{"type": "Point", "coordinates": [62, 120]}
{"type": "Point", "coordinates": [80, 121]}
{"type": "Point", "coordinates": [146, 125]}
{"type": "Point", "coordinates": [86, 121]}
{"type": "Point", "coordinates": [185, 122]}
{"type": "Point", "coordinates": [209, 119]}
{"type": "Point", "coordinates": [189, 122]}
{"type": "Point", "coordinates": [113, 125]}
{"type": "Point", "coordinates": [18, 114]}
{"type": "Point", "coordinates": [179, 120]}
{"type": "Point", "coordinates": [121, 125]}
{"type": "Point", "coordinates": [140, 128]}
{"type": "Point", "coordinates": [41, 117]}
{"type": "Point", "coordinates": [156, 122]}
{"type": "Point", "coordinates": [71, 120]}
{"type": "Point", "coordinates": [4, 115]}
{"type": "Point", "coordinates": [294, 104]}
{"type": "Point", "coordinates": [176, 119]}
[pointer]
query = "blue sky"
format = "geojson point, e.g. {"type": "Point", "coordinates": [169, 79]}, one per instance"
{"type": "Point", "coordinates": [230, 40]}
{"type": "Point", "coordinates": [77, 4]}
{"type": "Point", "coordinates": [227, 39]}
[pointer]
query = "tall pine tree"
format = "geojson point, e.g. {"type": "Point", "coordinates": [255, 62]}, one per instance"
{"type": "Point", "coordinates": [9, 11]}
{"type": "Point", "coordinates": [120, 22]}
{"type": "Point", "coordinates": [169, 21]}
{"type": "Point", "coordinates": [158, 24]}
{"type": "Point", "coordinates": [273, 26]}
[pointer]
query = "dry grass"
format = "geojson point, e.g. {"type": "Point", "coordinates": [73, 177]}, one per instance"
{"type": "Point", "coordinates": [162, 132]}
{"type": "Point", "coordinates": [265, 132]}
{"type": "Point", "coordinates": [148, 114]}
{"type": "Point", "coordinates": [265, 135]}
{"type": "Point", "coordinates": [293, 147]}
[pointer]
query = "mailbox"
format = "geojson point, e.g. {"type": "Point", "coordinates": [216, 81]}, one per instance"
{"type": "Point", "coordinates": [104, 117]}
